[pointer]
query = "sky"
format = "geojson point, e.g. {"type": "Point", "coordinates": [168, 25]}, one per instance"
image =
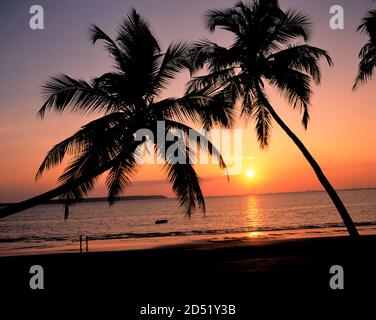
{"type": "Point", "coordinates": [341, 134]}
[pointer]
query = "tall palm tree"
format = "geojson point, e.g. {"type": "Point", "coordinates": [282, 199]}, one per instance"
{"type": "Point", "coordinates": [269, 47]}
{"type": "Point", "coordinates": [126, 100]}
{"type": "Point", "coordinates": [367, 54]}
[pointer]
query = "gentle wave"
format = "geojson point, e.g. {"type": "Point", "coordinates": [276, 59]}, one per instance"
{"type": "Point", "coordinates": [181, 233]}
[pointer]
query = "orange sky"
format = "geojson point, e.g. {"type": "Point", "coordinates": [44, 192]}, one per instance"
{"type": "Point", "coordinates": [341, 135]}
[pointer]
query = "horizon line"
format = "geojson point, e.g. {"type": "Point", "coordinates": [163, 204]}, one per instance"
{"type": "Point", "coordinates": [162, 196]}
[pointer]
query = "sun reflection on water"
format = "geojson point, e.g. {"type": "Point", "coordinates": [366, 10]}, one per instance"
{"type": "Point", "coordinates": [253, 216]}
{"type": "Point", "coordinates": [254, 234]}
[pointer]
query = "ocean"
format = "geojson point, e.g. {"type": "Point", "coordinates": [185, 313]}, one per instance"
{"type": "Point", "coordinates": [305, 214]}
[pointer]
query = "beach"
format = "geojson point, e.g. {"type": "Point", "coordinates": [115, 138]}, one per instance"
{"type": "Point", "coordinates": [130, 225]}
{"type": "Point", "coordinates": [232, 271]}
{"type": "Point", "coordinates": [271, 250]}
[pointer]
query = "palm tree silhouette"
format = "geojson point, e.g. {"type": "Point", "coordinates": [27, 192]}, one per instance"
{"type": "Point", "coordinates": [127, 100]}
{"type": "Point", "coordinates": [269, 47]}
{"type": "Point", "coordinates": [367, 54]}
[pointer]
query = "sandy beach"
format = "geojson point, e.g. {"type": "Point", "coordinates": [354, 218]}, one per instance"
{"type": "Point", "coordinates": [232, 271]}
{"type": "Point", "coordinates": [14, 248]}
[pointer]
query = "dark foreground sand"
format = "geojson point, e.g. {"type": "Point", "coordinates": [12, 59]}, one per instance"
{"type": "Point", "coordinates": [249, 274]}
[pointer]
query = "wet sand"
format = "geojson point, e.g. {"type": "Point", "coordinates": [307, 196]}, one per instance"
{"type": "Point", "coordinates": [12, 248]}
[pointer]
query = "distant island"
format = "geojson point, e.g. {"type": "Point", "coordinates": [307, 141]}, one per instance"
{"type": "Point", "coordinates": [101, 199]}
{"type": "Point", "coordinates": [319, 190]}
{"type": "Point", "coordinates": [286, 192]}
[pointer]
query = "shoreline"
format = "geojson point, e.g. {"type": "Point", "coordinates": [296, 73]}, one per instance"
{"type": "Point", "coordinates": [129, 244]}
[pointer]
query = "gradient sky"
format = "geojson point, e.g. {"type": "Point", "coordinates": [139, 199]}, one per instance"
{"type": "Point", "coordinates": [341, 135]}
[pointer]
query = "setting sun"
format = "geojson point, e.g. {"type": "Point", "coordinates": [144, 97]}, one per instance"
{"type": "Point", "coordinates": [250, 173]}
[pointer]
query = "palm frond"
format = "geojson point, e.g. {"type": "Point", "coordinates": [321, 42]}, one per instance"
{"type": "Point", "coordinates": [302, 58]}
{"type": "Point", "coordinates": [63, 92]}
{"type": "Point", "coordinates": [258, 19]}
{"type": "Point", "coordinates": [248, 97]}
{"type": "Point", "coordinates": [175, 59]}
{"type": "Point", "coordinates": [186, 108]}
{"type": "Point", "coordinates": [368, 24]}
{"type": "Point", "coordinates": [212, 55]}
{"type": "Point", "coordinates": [110, 125]}
{"type": "Point", "coordinates": [367, 54]}
{"type": "Point", "coordinates": [208, 106]}
{"type": "Point", "coordinates": [186, 185]}
{"type": "Point", "coordinates": [185, 182]}
{"type": "Point", "coordinates": [103, 149]}
{"type": "Point", "coordinates": [214, 79]}
{"type": "Point", "coordinates": [294, 24]}
{"type": "Point", "coordinates": [81, 183]}
{"type": "Point", "coordinates": [219, 109]}
{"type": "Point", "coordinates": [263, 122]}
{"type": "Point", "coordinates": [135, 34]}
{"type": "Point", "coordinates": [204, 143]}
{"type": "Point", "coordinates": [224, 18]}
{"type": "Point", "coordinates": [367, 65]}
{"type": "Point", "coordinates": [119, 177]}
{"type": "Point", "coordinates": [295, 86]}
{"type": "Point", "coordinates": [95, 34]}
{"type": "Point", "coordinates": [141, 53]}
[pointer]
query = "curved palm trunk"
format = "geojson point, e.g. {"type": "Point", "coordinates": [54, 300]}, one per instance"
{"type": "Point", "coordinates": [44, 197]}
{"type": "Point", "coordinates": [49, 195]}
{"type": "Point", "coordinates": [32, 202]}
{"type": "Point", "coordinates": [351, 228]}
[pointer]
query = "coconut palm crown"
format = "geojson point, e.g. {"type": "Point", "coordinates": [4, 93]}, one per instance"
{"type": "Point", "coordinates": [269, 50]}
{"type": "Point", "coordinates": [125, 100]}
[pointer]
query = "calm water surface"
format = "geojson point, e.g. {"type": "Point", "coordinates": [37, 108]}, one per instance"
{"type": "Point", "coordinates": [308, 212]}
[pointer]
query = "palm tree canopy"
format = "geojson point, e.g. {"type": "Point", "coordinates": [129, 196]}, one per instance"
{"type": "Point", "coordinates": [126, 100]}
{"type": "Point", "coordinates": [269, 47]}
{"type": "Point", "coordinates": [367, 54]}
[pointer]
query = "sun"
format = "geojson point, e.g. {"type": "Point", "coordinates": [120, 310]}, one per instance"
{"type": "Point", "coordinates": [250, 173]}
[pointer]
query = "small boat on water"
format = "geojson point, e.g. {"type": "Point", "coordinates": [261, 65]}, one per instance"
{"type": "Point", "coordinates": [161, 221]}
